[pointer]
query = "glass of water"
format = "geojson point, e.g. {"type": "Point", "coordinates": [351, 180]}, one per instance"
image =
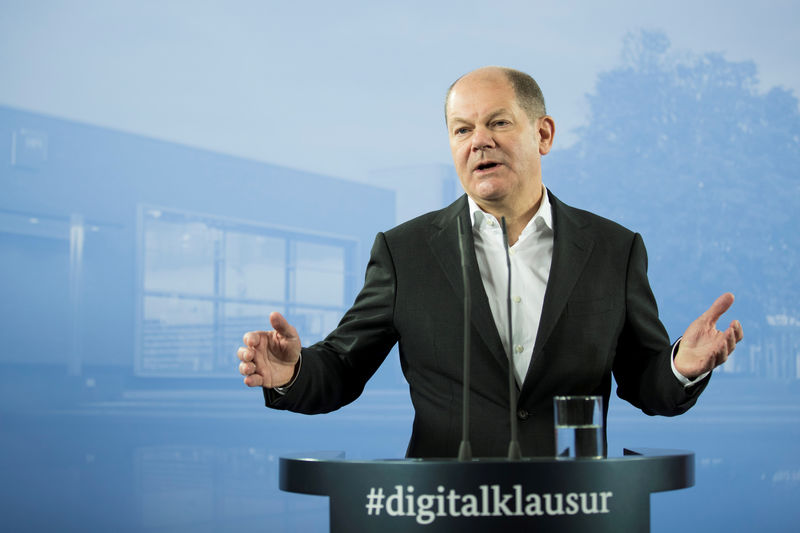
{"type": "Point", "coordinates": [579, 427]}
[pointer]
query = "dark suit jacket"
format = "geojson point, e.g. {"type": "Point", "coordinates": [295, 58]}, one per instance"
{"type": "Point", "coordinates": [599, 316]}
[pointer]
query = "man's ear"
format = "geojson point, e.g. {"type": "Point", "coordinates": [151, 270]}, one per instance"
{"type": "Point", "coordinates": [547, 130]}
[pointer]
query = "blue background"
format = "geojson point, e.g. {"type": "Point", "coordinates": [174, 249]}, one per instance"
{"type": "Point", "coordinates": [175, 171]}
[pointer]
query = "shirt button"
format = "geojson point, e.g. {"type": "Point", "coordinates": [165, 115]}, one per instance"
{"type": "Point", "coordinates": [491, 222]}
{"type": "Point", "coordinates": [522, 414]}
{"type": "Point", "coordinates": [518, 348]}
{"type": "Point", "coordinates": [512, 251]}
{"type": "Point", "coordinates": [517, 299]}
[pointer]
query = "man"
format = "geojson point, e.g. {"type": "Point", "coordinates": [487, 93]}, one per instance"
{"type": "Point", "coordinates": [582, 307]}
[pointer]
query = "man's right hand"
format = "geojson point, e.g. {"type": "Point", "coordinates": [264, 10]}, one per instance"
{"type": "Point", "coordinates": [268, 358]}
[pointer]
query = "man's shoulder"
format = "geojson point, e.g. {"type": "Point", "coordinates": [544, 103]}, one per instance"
{"type": "Point", "coordinates": [587, 220]}
{"type": "Point", "coordinates": [430, 222]}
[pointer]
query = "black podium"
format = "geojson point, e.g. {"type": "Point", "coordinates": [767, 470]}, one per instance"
{"type": "Point", "coordinates": [536, 494]}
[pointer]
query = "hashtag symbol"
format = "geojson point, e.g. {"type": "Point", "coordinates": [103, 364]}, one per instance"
{"type": "Point", "coordinates": [374, 501]}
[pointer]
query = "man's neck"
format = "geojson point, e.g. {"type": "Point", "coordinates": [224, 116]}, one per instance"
{"type": "Point", "coordinates": [517, 216]}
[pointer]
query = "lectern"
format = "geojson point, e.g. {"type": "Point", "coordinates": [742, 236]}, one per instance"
{"type": "Point", "coordinates": [535, 494]}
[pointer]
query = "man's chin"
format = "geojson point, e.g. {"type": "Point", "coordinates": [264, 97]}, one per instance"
{"type": "Point", "coordinates": [490, 193]}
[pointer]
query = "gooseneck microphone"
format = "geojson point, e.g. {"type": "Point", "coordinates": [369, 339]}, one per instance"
{"type": "Point", "coordinates": [514, 451]}
{"type": "Point", "coordinates": [465, 448]}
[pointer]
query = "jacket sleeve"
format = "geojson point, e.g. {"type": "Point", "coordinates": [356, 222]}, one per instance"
{"type": "Point", "coordinates": [642, 366]}
{"type": "Point", "coordinates": [335, 370]}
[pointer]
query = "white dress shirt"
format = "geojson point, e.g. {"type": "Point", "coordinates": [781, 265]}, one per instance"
{"type": "Point", "coordinates": [530, 258]}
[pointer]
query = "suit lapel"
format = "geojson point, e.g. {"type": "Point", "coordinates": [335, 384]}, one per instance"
{"type": "Point", "coordinates": [444, 246]}
{"type": "Point", "coordinates": [571, 250]}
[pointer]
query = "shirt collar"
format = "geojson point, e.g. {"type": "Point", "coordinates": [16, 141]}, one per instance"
{"type": "Point", "coordinates": [541, 219]}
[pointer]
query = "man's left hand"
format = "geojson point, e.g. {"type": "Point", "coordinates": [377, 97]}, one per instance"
{"type": "Point", "coordinates": [703, 347]}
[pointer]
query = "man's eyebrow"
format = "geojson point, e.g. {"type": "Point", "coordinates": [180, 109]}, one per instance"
{"type": "Point", "coordinates": [493, 115]}
{"type": "Point", "coordinates": [501, 111]}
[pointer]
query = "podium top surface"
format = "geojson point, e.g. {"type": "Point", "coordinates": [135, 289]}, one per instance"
{"type": "Point", "coordinates": [650, 469]}
{"type": "Point", "coordinates": [637, 454]}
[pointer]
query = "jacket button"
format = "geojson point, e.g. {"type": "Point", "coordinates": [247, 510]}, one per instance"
{"type": "Point", "coordinates": [522, 414]}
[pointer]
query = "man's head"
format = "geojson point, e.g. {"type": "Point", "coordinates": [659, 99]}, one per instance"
{"type": "Point", "coordinates": [498, 131]}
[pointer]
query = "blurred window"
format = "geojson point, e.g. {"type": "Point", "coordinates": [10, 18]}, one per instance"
{"type": "Point", "coordinates": [206, 280]}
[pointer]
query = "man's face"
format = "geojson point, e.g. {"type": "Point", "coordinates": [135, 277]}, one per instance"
{"type": "Point", "coordinates": [496, 150]}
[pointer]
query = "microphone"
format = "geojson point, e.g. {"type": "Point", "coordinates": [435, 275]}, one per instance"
{"type": "Point", "coordinates": [514, 451]}
{"type": "Point", "coordinates": [465, 448]}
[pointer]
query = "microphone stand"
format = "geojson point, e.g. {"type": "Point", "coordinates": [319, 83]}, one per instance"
{"type": "Point", "coordinates": [465, 448]}
{"type": "Point", "coordinates": [514, 451]}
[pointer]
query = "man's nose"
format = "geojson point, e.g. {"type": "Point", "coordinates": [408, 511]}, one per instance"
{"type": "Point", "coordinates": [482, 139]}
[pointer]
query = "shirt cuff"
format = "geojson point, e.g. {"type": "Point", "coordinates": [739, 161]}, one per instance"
{"type": "Point", "coordinates": [686, 382]}
{"type": "Point", "coordinates": [285, 388]}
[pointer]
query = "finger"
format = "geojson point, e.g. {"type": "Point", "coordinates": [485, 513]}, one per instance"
{"type": "Point", "coordinates": [246, 369]}
{"type": "Point", "coordinates": [731, 341]}
{"type": "Point", "coordinates": [252, 338]}
{"type": "Point", "coordinates": [253, 380]}
{"type": "Point", "coordinates": [720, 305]}
{"type": "Point", "coordinates": [282, 326]}
{"type": "Point", "coordinates": [244, 354]}
{"type": "Point", "coordinates": [730, 337]}
{"type": "Point", "coordinates": [737, 329]}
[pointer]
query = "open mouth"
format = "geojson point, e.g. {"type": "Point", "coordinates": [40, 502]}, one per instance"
{"type": "Point", "coordinates": [487, 165]}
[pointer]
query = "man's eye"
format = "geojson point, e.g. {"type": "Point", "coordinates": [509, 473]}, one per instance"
{"type": "Point", "coordinates": [461, 131]}
{"type": "Point", "coordinates": [501, 123]}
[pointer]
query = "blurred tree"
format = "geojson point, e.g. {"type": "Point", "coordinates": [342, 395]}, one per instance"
{"type": "Point", "coordinates": [687, 151]}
